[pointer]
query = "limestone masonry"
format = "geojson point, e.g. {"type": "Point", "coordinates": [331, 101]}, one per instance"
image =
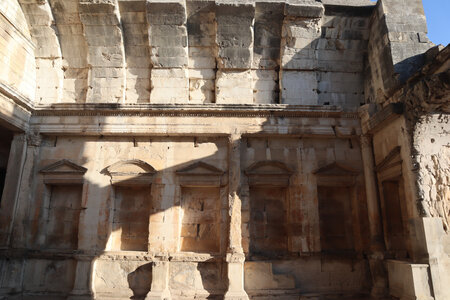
{"type": "Point", "coordinates": [201, 149]}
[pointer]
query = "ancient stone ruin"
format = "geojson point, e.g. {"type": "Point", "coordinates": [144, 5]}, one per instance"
{"type": "Point", "coordinates": [223, 149]}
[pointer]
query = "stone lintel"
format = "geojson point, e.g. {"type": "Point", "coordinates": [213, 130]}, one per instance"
{"type": "Point", "coordinates": [304, 9]}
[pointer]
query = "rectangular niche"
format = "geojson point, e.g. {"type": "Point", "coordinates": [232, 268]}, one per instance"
{"type": "Point", "coordinates": [392, 193]}
{"type": "Point", "coordinates": [132, 206]}
{"type": "Point", "coordinates": [63, 216]}
{"type": "Point", "coordinates": [336, 233]}
{"type": "Point", "coordinates": [200, 228]}
{"type": "Point", "coordinates": [268, 221]}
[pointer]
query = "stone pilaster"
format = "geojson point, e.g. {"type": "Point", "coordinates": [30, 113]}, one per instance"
{"type": "Point", "coordinates": [234, 39]}
{"type": "Point", "coordinates": [20, 233]}
{"type": "Point", "coordinates": [82, 289]}
{"type": "Point", "coordinates": [168, 51]}
{"type": "Point", "coordinates": [235, 256]}
{"type": "Point", "coordinates": [160, 281]}
{"type": "Point", "coordinates": [379, 283]}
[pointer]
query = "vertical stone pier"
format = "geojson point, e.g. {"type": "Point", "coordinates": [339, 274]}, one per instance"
{"type": "Point", "coordinates": [235, 255]}
{"type": "Point", "coordinates": [234, 39]}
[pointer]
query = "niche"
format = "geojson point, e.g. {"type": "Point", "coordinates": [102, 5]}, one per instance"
{"type": "Point", "coordinates": [268, 184]}
{"type": "Point", "coordinates": [201, 224]}
{"type": "Point", "coordinates": [64, 186]}
{"type": "Point", "coordinates": [335, 189]}
{"type": "Point", "coordinates": [131, 181]}
{"type": "Point", "coordinates": [391, 186]}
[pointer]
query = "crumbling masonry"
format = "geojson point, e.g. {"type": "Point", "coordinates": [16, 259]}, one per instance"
{"type": "Point", "coordinates": [201, 149]}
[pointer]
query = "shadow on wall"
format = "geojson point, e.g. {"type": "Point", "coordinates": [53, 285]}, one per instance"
{"type": "Point", "coordinates": [138, 220]}
{"type": "Point", "coordinates": [140, 281]}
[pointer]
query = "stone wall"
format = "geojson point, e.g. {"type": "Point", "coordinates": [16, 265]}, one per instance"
{"type": "Point", "coordinates": [396, 46]}
{"type": "Point", "coordinates": [172, 149]}
{"type": "Point", "coordinates": [17, 66]}
{"type": "Point", "coordinates": [197, 52]}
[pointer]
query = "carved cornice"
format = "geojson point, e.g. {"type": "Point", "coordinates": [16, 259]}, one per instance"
{"type": "Point", "coordinates": [194, 110]}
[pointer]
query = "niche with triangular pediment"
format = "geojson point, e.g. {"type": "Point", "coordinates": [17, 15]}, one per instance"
{"type": "Point", "coordinates": [391, 166]}
{"type": "Point", "coordinates": [63, 172]}
{"type": "Point", "coordinates": [335, 174]}
{"type": "Point", "coordinates": [200, 174]}
{"type": "Point", "coordinates": [268, 173]}
{"type": "Point", "coordinates": [63, 197]}
{"type": "Point", "coordinates": [202, 223]}
{"type": "Point", "coordinates": [269, 204]}
{"type": "Point", "coordinates": [336, 192]}
{"type": "Point", "coordinates": [393, 206]}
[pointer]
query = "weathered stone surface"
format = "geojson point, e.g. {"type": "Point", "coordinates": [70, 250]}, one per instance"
{"type": "Point", "coordinates": [200, 149]}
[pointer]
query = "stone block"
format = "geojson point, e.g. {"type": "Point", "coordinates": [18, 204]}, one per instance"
{"type": "Point", "coordinates": [234, 87]}
{"type": "Point", "coordinates": [299, 87]}
{"type": "Point", "coordinates": [304, 9]}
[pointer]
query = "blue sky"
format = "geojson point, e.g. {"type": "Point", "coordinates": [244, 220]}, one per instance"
{"type": "Point", "coordinates": [438, 20]}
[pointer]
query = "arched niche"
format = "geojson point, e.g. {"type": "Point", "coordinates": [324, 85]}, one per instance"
{"type": "Point", "coordinates": [203, 196]}
{"type": "Point", "coordinates": [131, 182]}
{"type": "Point", "coordinates": [337, 201]}
{"type": "Point", "coordinates": [130, 172]}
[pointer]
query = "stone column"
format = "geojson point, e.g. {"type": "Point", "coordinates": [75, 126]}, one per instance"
{"type": "Point", "coordinates": [376, 257]}
{"type": "Point", "coordinates": [235, 256]}
{"type": "Point", "coordinates": [11, 190]}
{"type": "Point", "coordinates": [160, 281]}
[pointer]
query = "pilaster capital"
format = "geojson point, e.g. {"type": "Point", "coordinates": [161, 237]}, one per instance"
{"type": "Point", "coordinates": [34, 139]}
{"type": "Point", "coordinates": [235, 257]}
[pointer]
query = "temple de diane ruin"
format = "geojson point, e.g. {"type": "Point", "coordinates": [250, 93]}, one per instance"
{"type": "Point", "coordinates": [223, 149]}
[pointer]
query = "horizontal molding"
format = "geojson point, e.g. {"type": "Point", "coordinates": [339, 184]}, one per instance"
{"type": "Point", "coordinates": [243, 110]}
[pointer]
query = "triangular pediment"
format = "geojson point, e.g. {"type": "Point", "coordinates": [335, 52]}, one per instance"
{"type": "Point", "coordinates": [393, 159]}
{"type": "Point", "coordinates": [200, 168]}
{"type": "Point", "coordinates": [130, 167]}
{"type": "Point", "coordinates": [336, 169]}
{"type": "Point", "coordinates": [64, 166]}
{"type": "Point", "coordinates": [269, 167]}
